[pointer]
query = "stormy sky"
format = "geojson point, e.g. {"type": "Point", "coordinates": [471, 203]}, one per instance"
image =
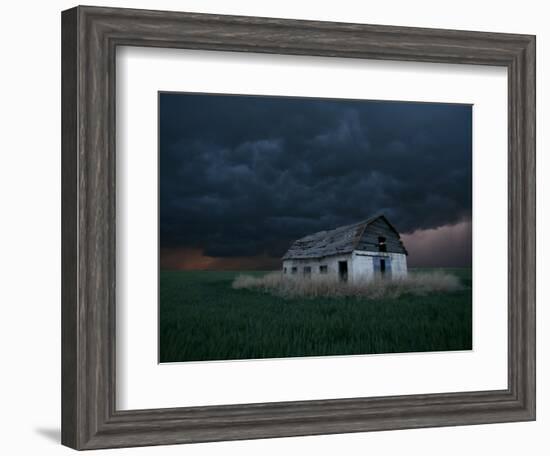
{"type": "Point", "coordinates": [241, 177]}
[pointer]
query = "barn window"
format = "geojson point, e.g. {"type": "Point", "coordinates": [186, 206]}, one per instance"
{"type": "Point", "coordinates": [307, 271]}
{"type": "Point", "coordinates": [323, 269]}
{"type": "Point", "coordinates": [294, 270]}
{"type": "Point", "coordinates": [382, 244]}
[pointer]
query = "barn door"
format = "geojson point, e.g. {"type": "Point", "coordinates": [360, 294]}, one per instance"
{"type": "Point", "coordinates": [388, 267]}
{"type": "Point", "coordinates": [382, 266]}
{"type": "Point", "coordinates": [343, 271]}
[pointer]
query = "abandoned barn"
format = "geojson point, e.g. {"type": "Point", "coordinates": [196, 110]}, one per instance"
{"type": "Point", "coordinates": [362, 251]}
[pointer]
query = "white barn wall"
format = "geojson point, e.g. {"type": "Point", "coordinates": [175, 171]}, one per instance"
{"type": "Point", "coordinates": [399, 265]}
{"type": "Point", "coordinates": [360, 266]}
{"type": "Point", "coordinates": [315, 263]}
{"type": "Point", "coordinates": [363, 264]}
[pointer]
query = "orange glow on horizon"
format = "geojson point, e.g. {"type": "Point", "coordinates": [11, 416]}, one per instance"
{"type": "Point", "coordinates": [187, 258]}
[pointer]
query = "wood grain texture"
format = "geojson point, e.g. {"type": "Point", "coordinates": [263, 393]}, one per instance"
{"type": "Point", "coordinates": [89, 39]}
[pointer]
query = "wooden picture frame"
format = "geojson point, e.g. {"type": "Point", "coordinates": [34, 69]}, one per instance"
{"type": "Point", "coordinates": [90, 36]}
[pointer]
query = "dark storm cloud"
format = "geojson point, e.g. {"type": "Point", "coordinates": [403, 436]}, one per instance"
{"type": "Point", "coordinates": [244, 176]}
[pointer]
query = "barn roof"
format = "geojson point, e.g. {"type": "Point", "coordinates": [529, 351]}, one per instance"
{"type": "Point", "coordinates": [333, 242]}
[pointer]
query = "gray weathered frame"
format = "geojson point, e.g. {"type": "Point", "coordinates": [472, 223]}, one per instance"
{"type": "Point", "coordinates": [90, 36]}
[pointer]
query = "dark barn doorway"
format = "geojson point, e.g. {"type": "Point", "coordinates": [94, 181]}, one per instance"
{"type": "Point", "coordinates": [343, 271]}
{"type": "Point", "coordinates": [382, 266]}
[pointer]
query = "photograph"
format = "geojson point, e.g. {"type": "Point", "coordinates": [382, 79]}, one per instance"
{"type": "Point", "coordinates": [294, 227]}
{"type": "Point", "coordinates": [262, 228]}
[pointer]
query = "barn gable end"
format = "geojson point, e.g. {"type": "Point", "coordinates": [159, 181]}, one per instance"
{"type": "Point", "coordinates": [380, 228]}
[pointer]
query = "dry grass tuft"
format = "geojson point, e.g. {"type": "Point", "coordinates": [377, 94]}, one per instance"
{"type": "Point", "coordinates": [416, 283]}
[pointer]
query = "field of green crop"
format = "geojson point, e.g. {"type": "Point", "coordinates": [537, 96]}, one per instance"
{"type": "Point", "coordinates": [203, 318]}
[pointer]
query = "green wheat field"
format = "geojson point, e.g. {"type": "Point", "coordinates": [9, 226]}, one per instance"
{"type": "Point", "coordinates": [203, 318]}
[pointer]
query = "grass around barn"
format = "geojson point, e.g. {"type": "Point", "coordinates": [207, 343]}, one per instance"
{"type": "Point", "coordinates": [202, 317]}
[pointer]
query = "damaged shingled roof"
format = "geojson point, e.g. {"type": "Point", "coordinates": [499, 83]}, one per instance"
{"type": "Point", "coordinates": [344, 239]}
